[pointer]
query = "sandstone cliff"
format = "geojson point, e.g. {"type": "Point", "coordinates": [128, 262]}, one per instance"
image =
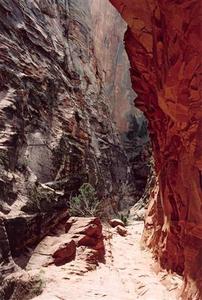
{"type": "Point", "coordinates": [163, 41]}
{"type": "Point", "coordinates": [57, 117]}
{"type": "Point", "coordinates": [108, 31]}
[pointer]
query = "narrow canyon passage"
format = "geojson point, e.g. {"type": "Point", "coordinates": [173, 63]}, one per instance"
{"type": "Point", "coordinates": [128, 274]}
{"type": "Point", "coordinates": [77, 157]}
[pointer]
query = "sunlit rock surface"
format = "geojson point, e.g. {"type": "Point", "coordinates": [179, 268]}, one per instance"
{"type": "Point", "coordinates": [163, 42]}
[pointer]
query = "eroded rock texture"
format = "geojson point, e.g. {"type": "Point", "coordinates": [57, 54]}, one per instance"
{"type": "Point", "coordinates": [108, 31]}
{"type": "Point", "coordinates": [56, 127]}
{"type": "Point", "coordinates": [163, 42]}
{"type": "Point", "coordinates": [56, 117]}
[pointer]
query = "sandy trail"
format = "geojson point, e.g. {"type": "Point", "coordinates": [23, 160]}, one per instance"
{"type": "Point", "coordinates": [127, 275]}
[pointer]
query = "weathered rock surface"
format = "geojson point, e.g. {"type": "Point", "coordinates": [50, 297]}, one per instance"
{"type": "Point", "coordinates": [83, 241]}
{"type": "Point", "coordinates": [121, 230]}
{"type": "Point", "coordinates": [139, 210]}
{"type": "Point", "coordinates": [21, 285]}
{"type": "Point", "coordinates": [109, 43]}
{"type": "Point", "coordinates": [65, 252]}
{"type": "Point", "coordinates": [163, 42]}
{"type": "Point", "coordinates": [28, 229]}
{"type": "Point", "coordinates": [108, 30]}
{"type": "Point", "coordinates": [116, 222]}
{"type": "Point", "coordinates": [56, 116]}
{"type": "Point", "coordinates": [87, 232]}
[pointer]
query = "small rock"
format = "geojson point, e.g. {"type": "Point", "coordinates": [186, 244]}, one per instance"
{"type": "Point", "coordinates": [65, 252]}
{"type": "Point", "coordinates": [121, 230]}
{"type": "Point", "coordinates": [116, 222]}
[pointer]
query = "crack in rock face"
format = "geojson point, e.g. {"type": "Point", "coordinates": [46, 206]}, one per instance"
{"type": "Point", "coordinates": [163, 42]}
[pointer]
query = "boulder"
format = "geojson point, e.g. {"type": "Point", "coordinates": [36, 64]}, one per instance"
{"type": "Point", "coordinates": [115, 222]}
{"type": "Point", "coordinates": [121, 230]}
{"type": "Point", "coordinates": [65, 252]}
{"type": "Point", "coordinates": [56, 250]}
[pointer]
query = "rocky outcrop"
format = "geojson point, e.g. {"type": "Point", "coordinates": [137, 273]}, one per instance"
{"type": "Point", "coordinates": [78, 239]}
{"type": "Point", "coordinates": [73, 248]}
{"type": "Point", "coordinates": [164, 46]}
{"type": "Point", "coordinates": [87, 232]}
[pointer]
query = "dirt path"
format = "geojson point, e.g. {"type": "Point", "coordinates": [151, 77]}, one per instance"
{"type": "Point", "coordinates": [127, 275]}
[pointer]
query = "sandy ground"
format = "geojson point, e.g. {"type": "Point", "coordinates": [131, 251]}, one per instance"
{"type": "Point", "coordinates": [128, 274]}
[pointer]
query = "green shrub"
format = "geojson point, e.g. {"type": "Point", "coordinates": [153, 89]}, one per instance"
{"type": "Point", "coordinates": [86, 203]}
{"type": "Point", "coordinates": [124, 219]}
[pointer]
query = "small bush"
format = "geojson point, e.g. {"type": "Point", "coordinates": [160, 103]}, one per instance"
{"type": "Point", "coordinates": [86, 203]}
{"type": "Point", "coordinates": [124, 219]}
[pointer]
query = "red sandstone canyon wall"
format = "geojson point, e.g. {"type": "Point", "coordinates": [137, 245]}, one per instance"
{"type": "Point", "coordinates": [163, 42]}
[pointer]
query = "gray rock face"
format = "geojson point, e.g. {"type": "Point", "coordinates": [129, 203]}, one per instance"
{"type": "Point", "coordinates": [55, 119]}
{"type": "Point", "coordinates": [56, 123]}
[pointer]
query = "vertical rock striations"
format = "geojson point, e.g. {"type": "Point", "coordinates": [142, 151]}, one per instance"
{"type": "Point", "coordinates": [108, 30]}
{"type": "Point", "coordinates": [163, 42]}
{"type": "Point", "coordinates": [56, 124]}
